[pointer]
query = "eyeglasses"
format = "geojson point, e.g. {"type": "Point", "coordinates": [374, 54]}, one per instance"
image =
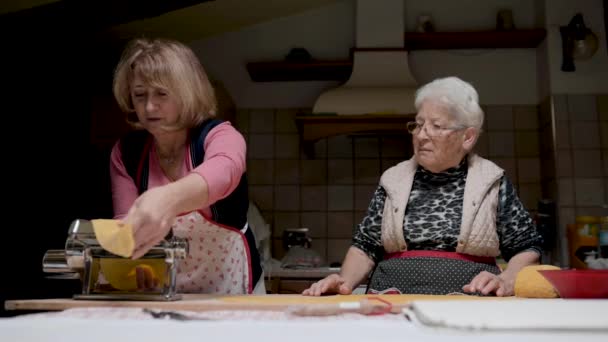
{"type": "Point", "coordinates": [432, 130]}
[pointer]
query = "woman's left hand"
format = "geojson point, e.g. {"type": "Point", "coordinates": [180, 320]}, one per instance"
{"type": "Point", "coordinates": [486, 283]}
{"type": "Point", "coordinates": [151, 216]}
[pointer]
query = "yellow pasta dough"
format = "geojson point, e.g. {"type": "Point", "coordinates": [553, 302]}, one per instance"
{"type": "Point", "coordinates": [529, 283]}
{"type": "Point", "coordinates": [114, 237]}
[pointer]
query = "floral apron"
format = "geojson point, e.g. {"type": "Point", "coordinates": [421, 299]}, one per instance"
{"type": "Point", "coordinates": [427, 272]}
{"type": "Point", "coordinates": [218, 259]}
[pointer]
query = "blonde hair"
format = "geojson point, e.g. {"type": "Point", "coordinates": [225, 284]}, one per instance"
{"type": "Point", "coordinates": [459, 97]}
{"type": "Point", "coordinates": [169, 65]}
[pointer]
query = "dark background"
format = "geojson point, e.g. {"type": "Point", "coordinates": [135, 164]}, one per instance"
{"type": "Point", "coordinates": [57, 62]}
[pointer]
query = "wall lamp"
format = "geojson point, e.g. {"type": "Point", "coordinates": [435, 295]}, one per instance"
{"type": "Point", "coordinates": [578, 42]}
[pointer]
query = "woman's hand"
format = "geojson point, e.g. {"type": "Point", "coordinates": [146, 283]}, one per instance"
{"type": "Point", "coordinates": [151, 217]}
{"type": "Point", "coordinates": [333, 283]}
{"type": "Point", "coordinates": [486, 283]}
{"type": "Point", "coordinates": [146, 279]}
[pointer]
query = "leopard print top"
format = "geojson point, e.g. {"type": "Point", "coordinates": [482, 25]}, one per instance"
{"type": "Point", "coordinates": [434, 214]}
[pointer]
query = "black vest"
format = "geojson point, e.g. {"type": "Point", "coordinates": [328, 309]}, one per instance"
{"type": "Point", "coordinates": [230, 211]}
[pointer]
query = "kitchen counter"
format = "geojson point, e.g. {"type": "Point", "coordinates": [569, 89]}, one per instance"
{"type": "Point", "coordinates": [300, 273]}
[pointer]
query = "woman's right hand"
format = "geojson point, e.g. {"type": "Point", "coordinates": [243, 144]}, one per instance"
{"type": "Point", "coordinates": [333, 283]}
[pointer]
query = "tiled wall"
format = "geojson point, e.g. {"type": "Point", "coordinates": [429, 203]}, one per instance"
{"type": "Point", "coordinates": [580, 147]}
{"type": "Point", "coordinates": [330, 193]}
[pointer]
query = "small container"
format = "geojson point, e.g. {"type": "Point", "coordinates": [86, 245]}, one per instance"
{"type": "Point", "coordinates": [425, 24]}
{"type": "Point", "coordinates": [504, 20]}
{"type": "Point", "coordinates": [582, 238]}
{"type": "Point", "coordinates": [296, 237]}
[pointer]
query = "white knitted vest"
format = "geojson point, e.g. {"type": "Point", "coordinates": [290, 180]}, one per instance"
{"type": "Point", "coordinates": [478, 229]}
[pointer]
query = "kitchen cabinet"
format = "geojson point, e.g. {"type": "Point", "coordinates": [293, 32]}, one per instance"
{"type": "Point", "coordinates": [339, 70]}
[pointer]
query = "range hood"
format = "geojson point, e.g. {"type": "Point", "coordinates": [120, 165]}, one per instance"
{"type": "Point", "coordinates": [381, 81]}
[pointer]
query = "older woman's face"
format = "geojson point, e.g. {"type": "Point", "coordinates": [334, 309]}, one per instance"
{"type": "Point", "coordinates": [440, 142]}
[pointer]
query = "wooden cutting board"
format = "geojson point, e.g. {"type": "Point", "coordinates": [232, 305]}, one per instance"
{"type": "Point", "coordinates": [200, 302]}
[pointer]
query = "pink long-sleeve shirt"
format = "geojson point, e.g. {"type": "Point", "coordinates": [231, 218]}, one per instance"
{"type": "Point", "coordinates": [222, 168]}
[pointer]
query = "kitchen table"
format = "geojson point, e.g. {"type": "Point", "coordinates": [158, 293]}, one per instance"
{"type": "Point", "coordinates": [267, 318]}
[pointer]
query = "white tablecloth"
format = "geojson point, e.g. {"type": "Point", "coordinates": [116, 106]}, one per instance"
{"type": "Point", "coordinates": [130, 324]}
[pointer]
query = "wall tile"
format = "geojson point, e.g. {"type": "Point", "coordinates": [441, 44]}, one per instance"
{"type": "Point", "coordinates": [366, 147]}
{"type": "Point", "coordinates": [314, 198]}
{"type": "Point", "coordinates": [316, 222]}
{"type": "Point", "coordinates": [529, 194]}
{"type": "Point", "coordinates": [367, 171]}
{"type": "Point", "coordinates": [528, 170]}
{"type": "Point", "coordinates": [388, 163]}
{"type": "Point", "coordinates": [560, 107]}
{"type": "Point", "coordinates": [336, 249]}
{"type": "Point", "coordinates": [589, 192]}
{"type": "Point", "coordinates": [242, 120]}
{"type": "Point", "coordinates": [602, 107]}
{"type": "Point", "coordinates": [363, 196]}
{"type": "Point", "coordinates": [261, 146]}
{"type": "Point", "coordinates": [501, 144]}
{"type": "Point", "coordinates": [510, 167]}
{"type": "Point", "coordinates": [260, 171]}
{"type": "Point", "coordinates": [261, 120]}
{"type": "Point", "coordinates": [527, 143]}
{"type": "Point", "coordinates": [566, 191]}
{"type": "Point", "coordinates": [285, 220]}
{"type": "Point", "coordinates": [287, 171]}
{"type": "Point", "coordinates": [526, 117]}
{"type": "Point", "coordinates": [320, 149]}
{"type": "Point", "coordinates": [358, 216]}
{"type": "Point", "coordinates": [287, 197]}
{"type": "Point", "coordinates": [320, 246]}
{"type": "Point", "coordinates": [313, 171]}
{"type": "Point", "coordinates": [591, 211]}
{"type": "Point", "coordinates": [587, 163]}
{"type": "Point", "coordinates": [339, 198]}
{"type": "Point", "coordinates": [340, 224]}
{"type": "Point", "coordinates": [499, 118]}
{"type": "Point", "coordinates": [284, 121]}
{"type": "Point", "coordinates": [604, 134]}
{"type": "Point", "coordinates": [582, 107]}
{"type": "Point", "coordinates": [287, 146]}
{"type": "Point", "coordinates": [564, 164]}
{"type": "Point", "coordinates": [396, 147]}
{"type": "Point", "coordinates": [340, 171]}
{"type": "Point", "coordinates": [562, 135]}
{"type": "Point", "coordinates": [340, 147]}
{"type": "Point", "coordinates": [278, 252]}
{"type": "Point", "coordinates": [482, 145]}
{"type": "Point", "coordinates": [585, 135]}
{"type": "Point", "coordinates": [262, 196]}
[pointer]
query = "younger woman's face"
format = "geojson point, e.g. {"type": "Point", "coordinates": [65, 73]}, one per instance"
{"type": "Point", "coordinates": [155, 107]}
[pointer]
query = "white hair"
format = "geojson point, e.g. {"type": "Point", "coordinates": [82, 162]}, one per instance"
{"type": "Point", "coordinates": [459, 97]}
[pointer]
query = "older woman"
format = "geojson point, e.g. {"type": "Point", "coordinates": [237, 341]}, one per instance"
{"type": "Point", "coordinates": [437, 221]}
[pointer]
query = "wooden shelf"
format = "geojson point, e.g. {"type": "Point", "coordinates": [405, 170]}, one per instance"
{"type": "Point", "coordinates": [339, 70]}
{"type": "Point", "coordinates": [313, 127]}
{"type": "Point", "coordinates": [513, 39]}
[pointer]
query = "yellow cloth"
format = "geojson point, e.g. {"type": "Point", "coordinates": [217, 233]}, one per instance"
{"type": "Point", "coordinates": [529, 283]}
